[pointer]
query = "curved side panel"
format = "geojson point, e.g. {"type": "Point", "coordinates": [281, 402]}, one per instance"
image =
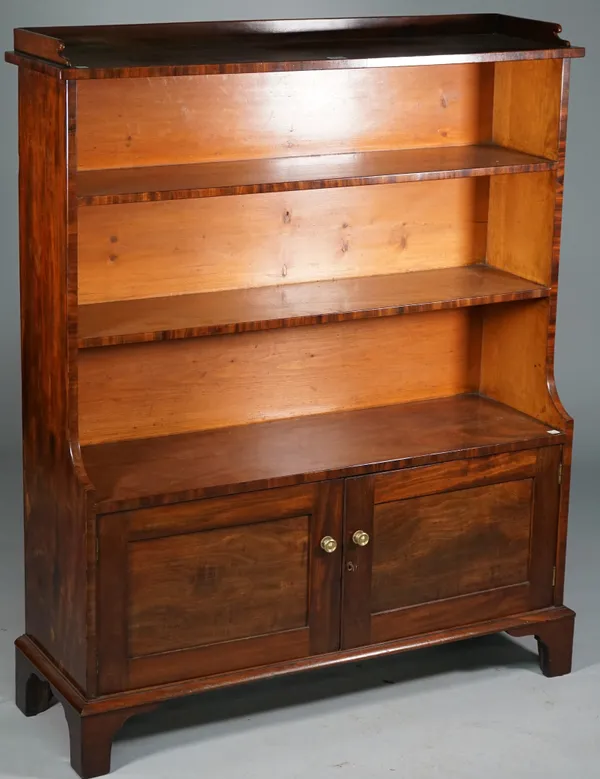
{"type": "Point", "coordinates": [58, 495]}
{"type": "Point", "coordinates": [556, 240]}
{"type": "Point", "coordinates": [530, 114]}
{"type": "Point", "coordinates": [531, 108]}
{"type": "Point", "coordinates": [561, 551]}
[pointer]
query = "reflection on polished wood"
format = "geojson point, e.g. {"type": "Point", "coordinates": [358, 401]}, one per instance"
{"type": "Point", "coordinates": [130, 474]}
{"type": "Point", "coordinates": [243, 177]}
{"type": "Point", "coordinates": [292, 305]}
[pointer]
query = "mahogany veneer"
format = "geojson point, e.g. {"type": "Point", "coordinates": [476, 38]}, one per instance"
{"type": "Point", "coordinates": [215, 179]}
{"type": "Point", "coordinates": [292, 305]}
{"type": "Point", "coordinates": [275, 419]}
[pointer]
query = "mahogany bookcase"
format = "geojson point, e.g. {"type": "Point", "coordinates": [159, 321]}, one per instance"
{"type": "Point", "coordinates": [288, 312]}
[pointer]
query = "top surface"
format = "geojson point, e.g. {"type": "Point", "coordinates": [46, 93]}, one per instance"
{"type": "Point", "coordinates": [276, 44]}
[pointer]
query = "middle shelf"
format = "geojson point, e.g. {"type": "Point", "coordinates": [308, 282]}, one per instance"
{"type": "Point", "coordinates": [284, 174]}
{"type": "Point", "coordinates": [264, 308]}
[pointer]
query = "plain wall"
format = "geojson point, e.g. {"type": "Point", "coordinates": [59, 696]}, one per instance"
{"type": "Point", "coordinates": [577, 363]}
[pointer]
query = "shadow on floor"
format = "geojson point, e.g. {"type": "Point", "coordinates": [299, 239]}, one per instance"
{"type": "Point", "coordinates": [303, 688]}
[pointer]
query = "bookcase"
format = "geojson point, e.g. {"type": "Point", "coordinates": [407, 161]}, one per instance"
{"type": "Point", "coordinates": [288, 312]}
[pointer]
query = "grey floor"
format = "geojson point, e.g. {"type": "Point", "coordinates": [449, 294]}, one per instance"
{"type": "Point", "coordinates": [475, 709]}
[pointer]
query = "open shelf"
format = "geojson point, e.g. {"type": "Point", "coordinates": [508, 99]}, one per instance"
{"type": "Point", "coordinates": [149, 472]}
{"type": "Point", "coordinates": [284, 174]}
{"type": "Point", "coordinates": [242, 310]}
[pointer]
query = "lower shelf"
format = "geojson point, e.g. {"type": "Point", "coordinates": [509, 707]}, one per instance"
{"type": "Point", "coordinates": [149, 472]}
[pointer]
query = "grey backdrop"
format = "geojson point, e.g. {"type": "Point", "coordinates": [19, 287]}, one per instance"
{"type": "Point", "coordinates": [577, 366]}
{"type": "Point", "coordinates": [463, 711]}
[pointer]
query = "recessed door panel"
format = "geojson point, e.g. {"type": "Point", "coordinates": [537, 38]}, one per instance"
{"type": "Point", "coordinates": [456, 543]}
{"type": "Point", "coordinates": [211, 586]}
{"type": "Point", "coordinates": [449, 545]}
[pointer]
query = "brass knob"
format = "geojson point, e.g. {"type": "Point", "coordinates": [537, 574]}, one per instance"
{"type": "Point", "coordinates": [328, 544]}
{"type": "Point", "coordinates": [361, 538]}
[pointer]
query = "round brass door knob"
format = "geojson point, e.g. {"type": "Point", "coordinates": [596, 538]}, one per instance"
{"type": "Point", "coordinates": [328, 544]}
{"type": "Point", "coordinates": [361, 538]}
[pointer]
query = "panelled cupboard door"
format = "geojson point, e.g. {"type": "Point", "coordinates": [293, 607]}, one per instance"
{"type": "Point", "coordinates": [446, 545]}
{"type": "Point", "coordinates": [216, 585]}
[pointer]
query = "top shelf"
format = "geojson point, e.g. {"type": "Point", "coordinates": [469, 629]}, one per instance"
{"type": "Point", "coordinates": [284, 174]}
{"type": "Point", "coordinates": [263, 46]}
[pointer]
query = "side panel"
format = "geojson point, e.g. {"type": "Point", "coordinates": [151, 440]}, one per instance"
{"type": "Point", "coordinates": [537, 124]}
{"type": "Point", "coordinates": [56, 495]}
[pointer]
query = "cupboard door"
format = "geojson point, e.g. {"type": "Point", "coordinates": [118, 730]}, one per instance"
{"type": "Point", "coordinates": [447, 545]}
{"type": "Point", "coordinates": [206, 587]}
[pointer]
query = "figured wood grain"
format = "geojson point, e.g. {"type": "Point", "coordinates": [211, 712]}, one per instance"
{"type": "Point", "coordinates": [211, 596]}
{"type": "Point", "coordinates": [285, 174]}
{"type": "Point", "coordinates": [148, 472]}
{"type": "Point", "coordinates": [166, 388]}
{"type": "Point", "coordinates": [455, 475]}
{"type": "Point", "coordinates": [77, 644]}
{"type": "Point", "coordinates": [474, 551]}
{"type": "Point", "coordinates": [443, 546]}
{"type": "Point", "coordinates": [196, 119]}
{"type": "Point", "coordinates": [293, 305]}
{"type": "Point", "coordinates": [227, 583]}
{"type": "Point", "coordinates": [197, 516]}
{"type": "Point", "coordinates": [213, 244]}
{"type": "Point", "coordinates": [209, 47]}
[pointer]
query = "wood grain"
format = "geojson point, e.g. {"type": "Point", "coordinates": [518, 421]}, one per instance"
{"type": "Point", "coordinates": [57, 496]}
{"type": "Point", "coordinates": [133, 701]}
{"type": "Point", "coordinates": [230, 117]}
{"type": "Point", "coordinates": [237, 47]}
{"type": "Point", "coordinates": [178, 584]}
{"type": "Point", "coordinates": [211, 660]}
{"type": "Point", "coordinates": [165, 388]}
{"type": "Point", "coordinates": [449, 612]}
{"type": "Point", "coordinates": [212, 597]}
{"type": "Point", "coordinates": [148, 472]}
{"type": "Point", "coordinates": [443, 546]}
{"type": "Point", "coordinates": [520, 225]}
{"type": "Point", "coordinates": [567, 451]}
{"type": "Point", "coordinates": [555, 642]}
{"type": "Point", "coordinates": [445, 558]}
{"type": "Point", "coordinates": [197, 516]}
{"type": "Point", "coordinates": [513, 365]}
{"type": "Point", "coordinates": [455, 475]}
{"type": "Point", "coordinates": [358, 561]}
{"type": "Point", "coordinates": [293, 305]}
{"type": "Point", "coordinates": [226, 583]}
{"type": "Point", "coordinates": [527, 106]}
{"type": "Point", "coordinates": [527, 116]}
{"type": "Point", "coordinates": [286, 174]}
{"type": "Point", "coordinates": [214, 244]}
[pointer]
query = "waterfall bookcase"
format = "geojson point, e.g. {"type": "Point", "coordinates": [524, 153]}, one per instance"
{"type": "Point", "coordinates": [288, 314]}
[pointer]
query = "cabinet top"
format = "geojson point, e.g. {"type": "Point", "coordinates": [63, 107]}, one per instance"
{"type": "Point", "coordinates": [305, 44]}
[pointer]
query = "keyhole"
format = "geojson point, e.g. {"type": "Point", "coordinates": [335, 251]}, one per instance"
{"type": "Point", "coordinates": [351, 567]}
